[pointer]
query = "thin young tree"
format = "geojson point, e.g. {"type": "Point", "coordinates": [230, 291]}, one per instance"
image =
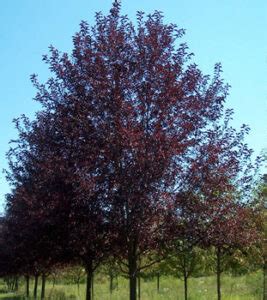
{"type": "Point", "coordinates": [218, 189]}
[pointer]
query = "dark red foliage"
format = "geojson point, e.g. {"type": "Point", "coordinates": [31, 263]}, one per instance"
{"type": "Point", "coordinates": [212, 205]}
{"type": "Point", "coordinates": [125, 127]}
{"type": "Point", "coordinates": [217, 187]}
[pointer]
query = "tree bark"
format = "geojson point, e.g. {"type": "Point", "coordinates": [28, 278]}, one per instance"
{"type": "Point", "coordinates": [16, 283]}
{"type": "Point", "coordinates": [89, 283]}
{"type": "Point", "coordinates": [110, 283]}
{"type": "Point", "coordinates": [92, 285]}
{"type": "Point", "coordinates": [35, 286]}
{"type": "Point", "coordinates": [54, 281]}
{"type": "Point", "coordinates": [133, 287]}
{"type": "Point", "coordinates": [185, 287]}
{"type": "Point", "coordinates": [132, 277]}
{"type": "Point", "coordinates": [43, 287]}
{"type": "Point", "coordinates": [158, 277]}
{"type": "Point", "coordinates": [178, 286]}
{"type": "Point", "coordinates": [219, 296]}
{"type": "Point", "coordinates": [78, 286]}
{"type": "Point", "coordinates": [27, 286]}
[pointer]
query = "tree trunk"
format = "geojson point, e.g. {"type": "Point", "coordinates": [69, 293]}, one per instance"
{"type": "Point", "coordinates": [35, 286]}
{"type": "Point", "coordinates": [132, 276]}
{"type": "Point", "coordinates": [139, 287]}
{"type": "Point", "coordinates": [185, 287]}
{"type": "Point", "coordinates": [178, 286]}
{"type": "Point", "coordinates": [110, 283]}
{"type": "Point", "coordinates": [13, 283]}
{"type": "Point", "coordinates": [133, 287]}
{"type": "Point", "coordinates": [54, 281]}
{"type": "Point", "coordinates": [92, 285]}
{"type": "Point", "coordinates": [43, 287]}
{"type": "Point", "coordinates": [158, 277]}
{"type": "Point", "coordinates": [219, 297]}
{"type": "Point", "coordinates": [78, 286]}
{"type": "Point", "coordinates": [16, 283]}
{"type": "Point", "coordinates": [27, 286]}
{"type": "Point", "coordinates": [10, 284]}
{"type": "Point", "coordinates": [89, 270]}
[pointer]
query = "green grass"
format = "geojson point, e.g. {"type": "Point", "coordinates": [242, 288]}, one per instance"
{"type": "Point", "coordinates": [248, 287]}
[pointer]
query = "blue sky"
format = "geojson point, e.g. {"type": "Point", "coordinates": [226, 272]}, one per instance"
{"type": "Point", "coordinates": [232, 32]}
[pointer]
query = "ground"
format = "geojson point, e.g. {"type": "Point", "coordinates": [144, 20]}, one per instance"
{"type": "Point", "coordinates": [248, 287]}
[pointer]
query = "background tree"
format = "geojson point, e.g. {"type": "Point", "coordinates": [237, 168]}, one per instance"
{"type": "Point", "coordinates": [185, 261]}
{"type": "Point", "coordinates": [260, 218]}
{"type": "Point", "coordinates": [222, 181]}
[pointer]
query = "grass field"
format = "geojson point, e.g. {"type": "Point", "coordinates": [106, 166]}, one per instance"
{"type": "Point", "coordinates": [248, 287]}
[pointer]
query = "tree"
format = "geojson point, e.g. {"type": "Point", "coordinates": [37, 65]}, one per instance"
{"type": "Point", "coordinates": [185, 261]}
{"type": "Point", "coordinates": [158, 105]}
{"type": "Point", "coordinates": [259, 250]}
{"type": "Point", "coordinates": [112, 270]}
{"type": "Point", "coordinates": [44, 192]}
{"type": "Point", "coordinates": [218, 189]}
{"type": "Point", "coordinates": [6, 251]}
{"type": "Point", "coordinates": [37, 210]}
{"type": "Point", "coordinates": [119, 118]}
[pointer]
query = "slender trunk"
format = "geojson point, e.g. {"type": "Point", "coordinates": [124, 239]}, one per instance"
{"type": "Point", "coordinates": [35, 286]}
{"type": "Point", "coordinates": [43, 287]}
{"type": "Point", "coordinates": [139, 287]}
{"type": "Point", "coordinates": [158, 277]}
{"type": "Point", "coordinates": [8, 284]}
{"type": "Point", "coordinates": [27, 286]}
{"type": "Point", "coordinates": [89, 270]}
{"type": "Point", "coordinates": [132, 276]}
{"type": "Point", "coordinates": [185, 287]}
{"type": "Point", "coordinates": [219, 296]}
{"type": "Point", "coordinates": [12, 284]}
{"type": "Point", "coordinates": [178, 287]}
{"type": "Point", "coordinates": [88, 286]}
{"type": "Point", "coordinates": [110, 283]}
{"type": "Point", "coordinates": [133, 287]}
{"type": "Point", "coordinates": [92, 285]}
{"type": "Point", "coordinates": [54, 281]}
{"type": "Point", "coordinates": [78, 286]}
{"type": "Point", "coordinates": [16, 283]}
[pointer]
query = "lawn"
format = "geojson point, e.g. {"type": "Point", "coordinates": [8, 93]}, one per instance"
{"type": "Point", "coordinates": [248, 287]}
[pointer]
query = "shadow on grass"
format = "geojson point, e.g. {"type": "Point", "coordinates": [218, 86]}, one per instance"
{"type": "Point", "coordinates": [11, 297]}
{"type": "Point", "coordinates": [57, 295]}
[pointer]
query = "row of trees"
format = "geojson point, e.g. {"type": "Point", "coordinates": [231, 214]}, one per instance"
{"type": "Point", "coordinates": [199, 263]}
{"type": "Point", "coordinates": [131, 156]}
